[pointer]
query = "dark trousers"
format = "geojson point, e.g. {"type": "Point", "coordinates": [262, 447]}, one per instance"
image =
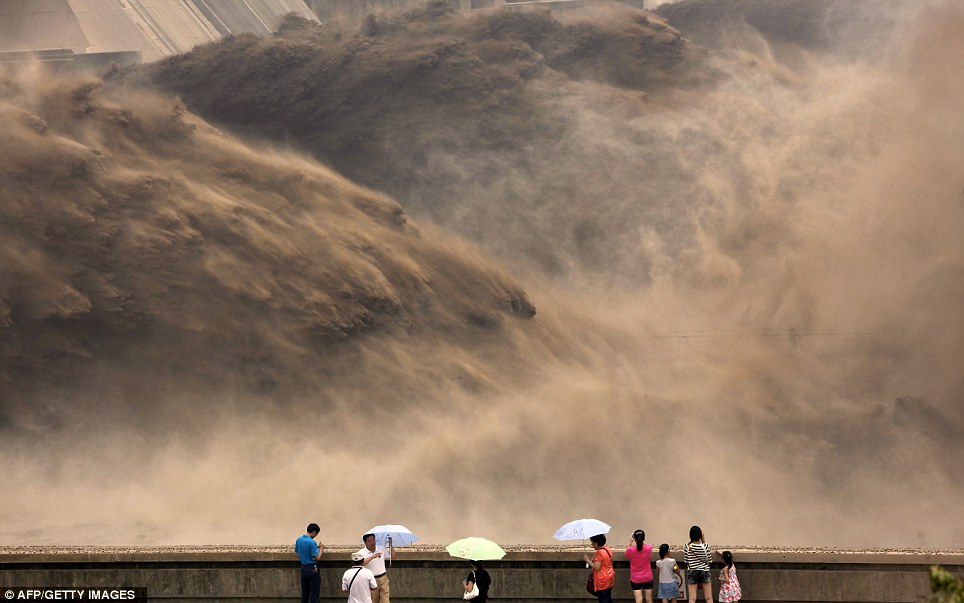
{"type": "Point", "coordinates": [605, 596]}
{"type": "Point", "coordinates": [310, 583]}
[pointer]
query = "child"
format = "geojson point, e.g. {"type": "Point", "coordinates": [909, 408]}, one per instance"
{"type": "Point", "coordinates": [729, 584]}
{"type": "Point", "coordinates": [668, 589]}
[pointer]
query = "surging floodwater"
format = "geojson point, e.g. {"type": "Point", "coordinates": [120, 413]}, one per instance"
{"type": "Point", "coordinates": [728, 295]}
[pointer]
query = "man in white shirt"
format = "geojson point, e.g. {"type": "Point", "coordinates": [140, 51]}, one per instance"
{"type": "Point", "coordinates": [359, 581]}
{"type": "Point", "coordinates": [375, 556]}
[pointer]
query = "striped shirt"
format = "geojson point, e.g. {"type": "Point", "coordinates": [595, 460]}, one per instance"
{"type": "Point", "coordinates": [697, 557]}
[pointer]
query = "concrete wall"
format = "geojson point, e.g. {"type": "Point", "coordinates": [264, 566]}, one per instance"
{"type": "Point", "coordinates": [432, 576]}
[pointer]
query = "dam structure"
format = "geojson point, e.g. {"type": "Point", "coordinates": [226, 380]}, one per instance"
{"type": "Point", "coordinates": [97, 33]}
{"type": "Point", "coordinates": [132, 30]}
{"type": "Point", "coordinates": [428, 574]}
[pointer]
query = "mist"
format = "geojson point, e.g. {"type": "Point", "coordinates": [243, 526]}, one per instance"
{"type": "Point", "coordinates": [722, 287]}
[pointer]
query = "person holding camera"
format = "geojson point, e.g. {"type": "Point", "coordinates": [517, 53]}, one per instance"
{"type": "Point", "coordinates": [309, 552]}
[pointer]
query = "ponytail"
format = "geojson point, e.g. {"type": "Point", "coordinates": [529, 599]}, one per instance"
{"type": "Point", "coordinates": [639, 536]}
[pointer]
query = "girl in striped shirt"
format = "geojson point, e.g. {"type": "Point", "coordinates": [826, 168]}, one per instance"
{"type": "Point", "coordinates": [697, 557]}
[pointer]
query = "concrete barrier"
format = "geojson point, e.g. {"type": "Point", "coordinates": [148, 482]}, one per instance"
{"type": "Point", "coordinates": [428, 576]}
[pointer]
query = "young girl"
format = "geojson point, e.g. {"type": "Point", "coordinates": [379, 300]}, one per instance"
{"type": "Point", "coordinates": [729, 584]}
{"type": "Point", "coordinates": [668, 589]}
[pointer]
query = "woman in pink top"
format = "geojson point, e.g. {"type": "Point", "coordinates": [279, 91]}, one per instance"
{"type": "Point", "coordinates": [640, 571]}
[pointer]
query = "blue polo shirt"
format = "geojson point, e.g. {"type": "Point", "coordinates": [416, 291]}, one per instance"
{"type": "Point", "coordinates": [307, 548]}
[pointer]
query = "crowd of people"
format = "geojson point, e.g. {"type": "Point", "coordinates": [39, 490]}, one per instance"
{"type": "Point", "coordinates": [367, 579]}
{"type": "Point", "coordinates": [697, 556]}
{"type": "Point", "coordinates": [365, 582]}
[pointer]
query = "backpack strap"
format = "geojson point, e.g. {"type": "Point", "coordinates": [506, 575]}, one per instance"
{"type": "Point", "coordinates": [353, 579]}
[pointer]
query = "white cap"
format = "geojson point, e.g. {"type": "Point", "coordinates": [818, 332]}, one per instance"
{"type": "Point", "coordinates": [357, 556]}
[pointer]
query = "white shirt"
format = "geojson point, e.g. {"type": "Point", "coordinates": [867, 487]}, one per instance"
{"type": "Point", "coordinates": [666, 573]}
{"type": "Point", "coordinates": [361, 588]}
{"type": "Point", "coordinates": [377, 565]}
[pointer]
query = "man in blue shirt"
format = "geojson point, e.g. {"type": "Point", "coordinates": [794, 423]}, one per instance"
{"type": "Point", "coordinates": [309, 552]}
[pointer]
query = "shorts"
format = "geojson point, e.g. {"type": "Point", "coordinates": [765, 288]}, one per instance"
{"type": "Point", "coordinates": [668, 590]}
{"type": "Point", "coordinates": [641, 585]}
{"type": "Point", "coordinates": [697, 577]}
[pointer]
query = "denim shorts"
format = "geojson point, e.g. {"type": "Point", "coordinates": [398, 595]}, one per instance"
{"type": "Point", "coordinates": [697, 577]}
{"type": "Point", "coordinates": [668, 590]}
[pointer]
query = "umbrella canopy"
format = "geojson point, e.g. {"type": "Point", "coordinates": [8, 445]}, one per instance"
{"type": "Point", "coordinates": [478, 549]}
{"type": "Point", "coordinates": [581, 529]}
{"type": "Point", "coordinates": [400, 535]}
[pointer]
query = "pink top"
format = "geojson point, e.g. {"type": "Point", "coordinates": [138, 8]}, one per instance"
{"type": "Point", "coordinates": [640, 569]}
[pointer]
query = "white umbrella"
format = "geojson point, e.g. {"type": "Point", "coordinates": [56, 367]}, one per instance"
{"type": "Point", "coordinates": [581, 529]}
{"type": "Point", "coordinates": [400, 535]}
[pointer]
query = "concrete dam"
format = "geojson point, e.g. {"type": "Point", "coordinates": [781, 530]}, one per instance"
{"type": "Point", "coordinates": [526, 574]}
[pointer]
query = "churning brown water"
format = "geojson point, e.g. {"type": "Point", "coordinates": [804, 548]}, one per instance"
{"type": "Point", "coordinates": [640, 279]}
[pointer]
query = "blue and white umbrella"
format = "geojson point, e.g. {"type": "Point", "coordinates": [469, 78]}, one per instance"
{"type": "Point", "coordinates": [400, 535]}
{"type": "Point", "coordinates": [581, 529]}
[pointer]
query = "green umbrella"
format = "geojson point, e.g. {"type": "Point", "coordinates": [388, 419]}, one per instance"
{"type": "Point", "coordinates": [478, 549]}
